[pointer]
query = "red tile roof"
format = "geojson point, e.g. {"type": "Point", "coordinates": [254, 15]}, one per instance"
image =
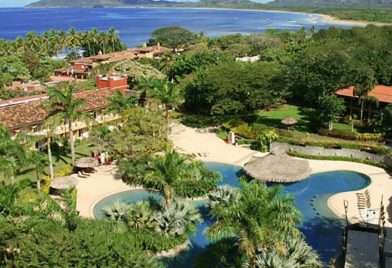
{"type": "Point", "coordinates": [31, 113]}
{"type": "Point", "coordinates": [382, 93]}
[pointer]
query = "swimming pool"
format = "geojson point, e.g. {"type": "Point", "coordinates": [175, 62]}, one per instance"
{"type": "Point", "coordinates": [321, 227]}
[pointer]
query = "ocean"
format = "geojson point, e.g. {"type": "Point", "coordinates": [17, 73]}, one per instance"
{"type": "Point", "coordinates": [136, 24]}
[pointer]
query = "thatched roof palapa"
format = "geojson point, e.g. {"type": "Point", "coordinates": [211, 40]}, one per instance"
{"type": "Point", "coordinates": [64, 182]}
{"type": "Point", "coordinates": [289, 121]}
{"type": "Point", "coordinates": [86, 162]}
{"type": "Point", "coordinates": [277, 167]}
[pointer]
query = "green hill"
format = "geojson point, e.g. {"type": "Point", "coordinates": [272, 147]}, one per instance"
{"type": "Point", "coordinates": [334, 3]}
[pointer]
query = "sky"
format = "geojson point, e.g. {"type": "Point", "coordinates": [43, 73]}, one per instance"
{"type": "Point", "coordinates": [21, 3]}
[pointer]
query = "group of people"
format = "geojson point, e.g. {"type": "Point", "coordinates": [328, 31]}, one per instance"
{"type": "Point", "coordinates": [103, 158]}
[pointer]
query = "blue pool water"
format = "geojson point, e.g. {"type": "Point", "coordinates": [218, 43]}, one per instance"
{"type": "Point", "coordinates": [136, 24]}
{"type": "Point", "coordinates": [320, 226]}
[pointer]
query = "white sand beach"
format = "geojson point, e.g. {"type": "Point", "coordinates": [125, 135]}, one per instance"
{"type": "Point", "coordinates": [208, 147]}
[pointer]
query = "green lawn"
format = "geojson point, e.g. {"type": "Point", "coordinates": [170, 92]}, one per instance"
{"type": "Point", "coordinates": [61, 159]}
{"type": "Point", "coordinates": [273, 118]}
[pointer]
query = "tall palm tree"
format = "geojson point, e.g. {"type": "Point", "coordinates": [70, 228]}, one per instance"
{"type": "Point", "coordinates": [73, 38]}
{"type": "Point", "coordinates": [39, 160]}
{"type": "Point", "coordinates": [166, 93]}
{"type": "Point", "coordinates": [63, 103]}
{"type": "Point", "coordinates": [113, 38]}
{"type": "Point", "coordinates": [94, 40]}
{"type": "Point", "coordinates": [32, 41]}
{"type": "Point", "coordinates": [259, 218]}
{"type": "Point", "coordinates": [50, 125]}
{"type": "Point", "coordinates": [364, 83]}
{"type": "Point", "coordinates": [103, 41]}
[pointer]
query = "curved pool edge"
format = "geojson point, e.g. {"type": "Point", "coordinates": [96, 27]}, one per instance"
{"type": "Point", "coordinates": [380, 182]}
{"type": "Point", "coordinates": [100, 198]}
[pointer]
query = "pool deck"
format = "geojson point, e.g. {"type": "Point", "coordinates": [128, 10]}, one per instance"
{"type": "Point", "coordinates": [208, 147]}
{"type": "Point", "coordinates": [97, 186]}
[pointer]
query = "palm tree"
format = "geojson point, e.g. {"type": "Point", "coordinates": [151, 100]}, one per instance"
{"type": "Point", "coordinates": [113, 38]}
{"type": "Point", "coordinates": [12, 152]}
{"type": "Point", "coordinates": [165, 93]}
{"type": "Point", "coordinates": [32, 41]}
{"type": "Point", "coordinates": [166, 171]}
{"type": "Point", "coordinates": [50, 125]}
{"type": "Point", "coordinates": [260, 218]}
{"type": "Point", "coordinates": [119, 102]}
{"type": "Point", "coordinates": [39, 160]}
{"type": "Point", "coordinates": [8, 167]}
{"type": "Point", "coordinates": [103, 41]}
{"type": "Point", "coordinates": [364, 83]}
{"type": "Point", "coordinates": [63, 103]}
{"type": "Point", "coordinates": [73, 38]}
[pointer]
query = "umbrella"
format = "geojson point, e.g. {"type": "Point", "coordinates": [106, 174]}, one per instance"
{"type": "Point", "coordinates": [64, 182]}
{"type": "Point", "coordinates": [277, 167]}
{"type": "Point", "coordinates": [289, 121]}
{"type": "Point", "coordinates": [86, 162]}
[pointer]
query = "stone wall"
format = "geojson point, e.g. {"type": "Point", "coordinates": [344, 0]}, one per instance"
{"type": "Point", "coordinates": [313, 150]}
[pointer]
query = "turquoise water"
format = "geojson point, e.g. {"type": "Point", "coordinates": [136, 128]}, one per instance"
{"type": "Point", "coordinates": [322, 229]}
{"type": "Point", "coordinates": [136, 24]}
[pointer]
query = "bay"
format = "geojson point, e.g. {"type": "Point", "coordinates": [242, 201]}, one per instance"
{"type": "Point", "coordinates": [136, 24]}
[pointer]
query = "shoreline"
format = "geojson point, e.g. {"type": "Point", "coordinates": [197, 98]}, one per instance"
{"type": "Point", "coordinates": [324, 18]}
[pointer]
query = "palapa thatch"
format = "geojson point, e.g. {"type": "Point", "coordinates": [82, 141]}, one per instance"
{"type": "Point", "coordinates": [86, 162]}
{"type": "Point", "coordinates": [277, 167]}
{"type": "Point", "coordinates": [289, 121]}
{"type": "Point", "coordinates": [64, 182]}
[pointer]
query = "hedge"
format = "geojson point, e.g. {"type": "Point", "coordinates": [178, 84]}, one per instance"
{"type": "Point", "coordinates": [340, 158]}
{"type": "Point", "coordinates": [376, 149]}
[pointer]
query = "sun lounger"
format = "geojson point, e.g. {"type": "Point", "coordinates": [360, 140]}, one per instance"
{"type": "Point", "coordinates": [81, 175]}
{"type": "Point", "coordinates": [368, 215]}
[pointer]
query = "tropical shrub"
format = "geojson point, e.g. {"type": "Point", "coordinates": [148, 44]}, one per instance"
{"type": "Point", "coordinates": [299, 254]}
{"type": "Point", "coordinates": [266, 138]}
{"type": "Point", "coordinates": [223, 195]}
{"type": "Point", "coordinates": [179, 219]}
{"type": "Point", "coordinates": [348, 135]}
{"type": "Point", "coordinates": [139, 215]}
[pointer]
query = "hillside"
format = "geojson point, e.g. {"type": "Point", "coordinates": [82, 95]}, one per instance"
{"type": "Point", "coordinates": [334, 3]}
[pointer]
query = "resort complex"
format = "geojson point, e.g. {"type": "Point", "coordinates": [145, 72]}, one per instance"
{"type": "Point", "coordinates": [263, 150]}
